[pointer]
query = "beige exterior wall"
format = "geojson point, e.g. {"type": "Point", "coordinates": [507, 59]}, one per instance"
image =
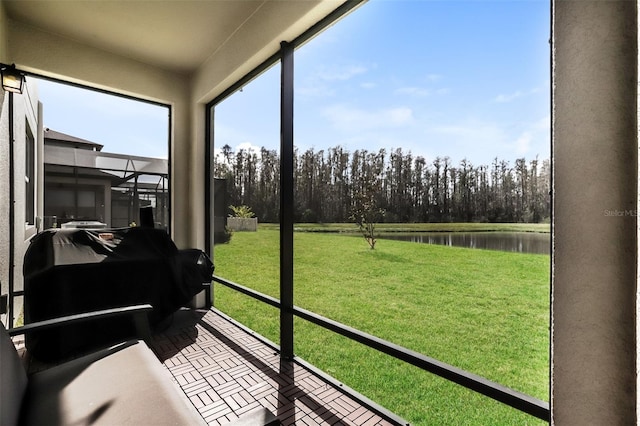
{"type": "Point", "coordinates": [26, 112]}
{"type": "Point", "coordinates": [4, 43]}
{"type": "Point", "coordinates": [595, 152]}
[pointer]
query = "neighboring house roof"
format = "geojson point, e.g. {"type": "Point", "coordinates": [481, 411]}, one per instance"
{"type": "Point", "coordinates": [65, 154]}
{"type": "Point", "coordinates": [66, 150]}
{"type": "Point", "coordinates": [68, 156]}
{"type": "Point", "coordinates": [51, 137]}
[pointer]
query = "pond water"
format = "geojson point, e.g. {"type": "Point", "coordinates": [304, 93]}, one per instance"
{"type": "Point", "coordinates": [520, 242]}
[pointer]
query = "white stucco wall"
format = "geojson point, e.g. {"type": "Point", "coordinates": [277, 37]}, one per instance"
{"type": "Point", "coordinates": [595, 152]}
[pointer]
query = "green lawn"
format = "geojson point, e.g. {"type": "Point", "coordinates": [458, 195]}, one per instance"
{"type": "Point", "coordinates": [484, 311]}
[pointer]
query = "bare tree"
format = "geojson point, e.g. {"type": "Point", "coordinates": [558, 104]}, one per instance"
{"type": "Point", "coordinates": [369, 187]}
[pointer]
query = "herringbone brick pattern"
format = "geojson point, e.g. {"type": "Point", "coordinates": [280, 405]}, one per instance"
{"type": "Point", "coordinates": [226, 372]}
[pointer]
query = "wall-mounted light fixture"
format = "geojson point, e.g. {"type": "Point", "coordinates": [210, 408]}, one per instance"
{"type": "Point", "coordinates": [12, 79]}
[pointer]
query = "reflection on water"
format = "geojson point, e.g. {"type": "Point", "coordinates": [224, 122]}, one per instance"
{"type": "Point", "coordinates": [521, 242]}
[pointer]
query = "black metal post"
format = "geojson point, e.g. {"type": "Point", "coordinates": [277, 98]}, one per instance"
{"type": "Point", "coordinates": [12, 216]}
{"type": "Point", "coordinates": [209, 210]}
{"type": "Point", "coordinates": [286, 201]}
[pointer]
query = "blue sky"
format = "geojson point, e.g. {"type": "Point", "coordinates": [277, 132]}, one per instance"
{"type": "Point", "coordinates": [122, 125]}
{"type": "Point", "coordinates": [464, 79]}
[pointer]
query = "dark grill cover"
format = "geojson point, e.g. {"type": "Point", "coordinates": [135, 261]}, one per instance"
{"type": "Point", "coordinates": [80, 270]}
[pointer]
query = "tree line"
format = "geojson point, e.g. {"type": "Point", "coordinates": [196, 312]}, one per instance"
{"type": "Point", "coordinates": [406, 188]}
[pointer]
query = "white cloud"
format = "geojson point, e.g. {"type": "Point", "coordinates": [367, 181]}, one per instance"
{"type": "Point", "coordinates": [341, 73]}
{"type": "Point", "coordinates": [398, 116]}
{"type": "Point", "coordinates": [472, 129]}
{"type": "Point", "coordinates": [227, 134]}
{"type": "Point", "coordinates": [420, 92]}
{"type": "Point", "coordinates": [522, 145]}
{"type": "Point", "coordinates": [322, 83]}
{"type": "Point", "coordinates": [483, 140]}
{"type": "Point", "coordinates": [355, 119]}
{"type": "Point", "coordinates": [544, 124]}
{"type": "Point", "coordinates": [504, 98]}
{"type": "Point", "coordinates": [217, 153]}
{"type": "Point", "coordinates": [248, 146]}
{"type": "Point", "coordinates": [535, 138]}
{"type": "Point", "coordinates": [315, 90]}
{"type": "Point", "coordinates": [413, 91]}
{"type": "Point", "coordinates": [426, 86]}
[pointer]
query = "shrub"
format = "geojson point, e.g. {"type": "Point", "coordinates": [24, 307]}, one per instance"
{"type": "Point", "coordinates": [242, 211]}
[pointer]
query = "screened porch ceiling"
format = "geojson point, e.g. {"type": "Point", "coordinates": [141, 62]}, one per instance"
{"type": "Point", "coordinates": [174, 35]}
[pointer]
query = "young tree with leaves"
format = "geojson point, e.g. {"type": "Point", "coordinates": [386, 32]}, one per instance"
{"type": "Point", "coordinates": [366, 213]}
